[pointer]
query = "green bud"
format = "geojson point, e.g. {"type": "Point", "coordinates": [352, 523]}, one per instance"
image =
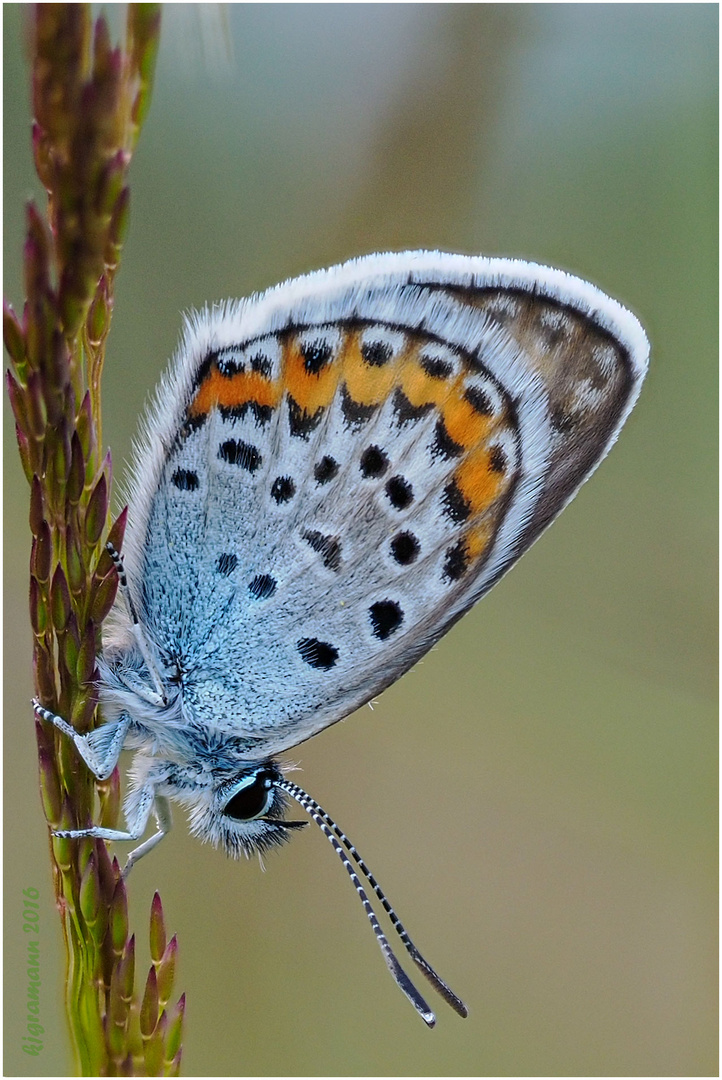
{"type": "Point", "coordinates": [60, 603]}
{"type": "Point", "coordinates": [166, 972]}
{"type": "Point", "coordinates": [13, 336]}
{"type": "Point", "coordinates": [98, 320]}
{"type": "Point", "coordinates": [119, 1001]}
{"type": "Point", "coordinates": [39, 612]}
{"type": "Point", "coordinates": [174, 1037]}
{"type": "Point", "coordinates": [118, 924]}
{"type": "Point", "coordinates": [50, 788]}
{"type": "Point", "coordinates": [75, 567]}
{"type": "Point", "coordinates": [103, 596]}
{"type": "Point", "coordinates": [149, 1006]}
{"type": "Point", "coordinates": [157, 930]}
{"type": "Point", "coordinates": [154, 1048]}
{"type": "Point", "coordinates": [90, 893]}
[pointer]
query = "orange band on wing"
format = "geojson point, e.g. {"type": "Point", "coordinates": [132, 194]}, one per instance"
{"type": "Point", "coordinates": [217, 390]}
{"type": "Point", "coordinates": [479, 479]}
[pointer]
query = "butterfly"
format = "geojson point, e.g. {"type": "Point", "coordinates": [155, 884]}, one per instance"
{"type": "Point", "coordinates": [332, 473]}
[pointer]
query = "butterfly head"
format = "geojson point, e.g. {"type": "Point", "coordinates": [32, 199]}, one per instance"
{"type": "Point", "coordinates": [243, 814]}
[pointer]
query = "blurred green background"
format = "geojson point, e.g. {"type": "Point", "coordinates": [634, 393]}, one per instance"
{"type": "Point", "coordinates": [539, 795]}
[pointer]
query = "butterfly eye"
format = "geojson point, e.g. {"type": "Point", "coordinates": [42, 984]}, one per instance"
{"type": "Point", "coordinates": [252, 797]}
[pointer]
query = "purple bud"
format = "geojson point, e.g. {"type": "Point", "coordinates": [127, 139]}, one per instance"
{"type": "Point", "coordinates": [37, 510]}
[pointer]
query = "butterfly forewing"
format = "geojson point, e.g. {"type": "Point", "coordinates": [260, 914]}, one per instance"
{"type": "Point", "coordinates": [359, 461]}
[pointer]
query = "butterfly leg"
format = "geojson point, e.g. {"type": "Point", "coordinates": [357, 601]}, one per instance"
{"type": "Point", "coordinates": [165, 821]}
{"type": "Point", "coordinates": [145, 801]}
{"type": "Point", "coordinates": [99, 749]}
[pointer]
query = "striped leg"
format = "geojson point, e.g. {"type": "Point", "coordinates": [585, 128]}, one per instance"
{"type": "Point", "coordinates": [99, 749]}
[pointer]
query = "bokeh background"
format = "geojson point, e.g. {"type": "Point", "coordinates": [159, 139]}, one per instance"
{"type": "Point", "coordinates": [538, 796]}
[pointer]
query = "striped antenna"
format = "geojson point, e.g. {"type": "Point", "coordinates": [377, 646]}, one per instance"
{"type": "Point", "coordinates": [332, 832]}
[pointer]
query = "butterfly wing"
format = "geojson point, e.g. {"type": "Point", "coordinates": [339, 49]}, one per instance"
{"type": "Point", "coordinates": [337, 469]}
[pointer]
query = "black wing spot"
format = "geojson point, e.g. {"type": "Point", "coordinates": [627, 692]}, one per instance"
{"type": "Point", "coordinates": [325, 470]}
{"type": "Point", "coordinates": [479, 400]}
{"type": "Point", "coordinates": [261, 413]}
{"type": "Point", "coordinates": [226, 564]}
{"type": "Point", "coordinates": [400, 492]}
{"type": "Point", "coordinates": [497, 459]}
{"type": "Point", "coordinates": [327, 546]}
{"type": "Point", "coordinates": [316, 355]}
{"type": "Point", "coordinates": [262, 586]}
{"type": "Point", "coordinates": [300, 422]}
{"type": "Point", "coordinates": [456, 506]}
{"type": "Point", "coordinates": [436, 367]}
{"type": "Point", "coordinates": [405, 548]}
{"type": "Point", "coordinates": [283, 489]}
{"type": "Point", "coordinates": [236, 452]}
{"type": "Point", "coordinates": [457, 561]}
{"type": "Point", "coordinates": [406, 413]}
{"type": "Point", "coordinates": [185, 480]}
{"type": "Point", "coordinates": [318, 654]}
{"type": "Point", "coordinates": [386, 618]}
{"type": "Point", "coordinates": [355, 413]}
{"type": "Point", "coordinates": [262, 364]}
{"type": "Point", "coordinates": [443, 445]}
{"type": "Point", "coordinates": [227, 366]}
{"type": "Point", "coordinates": [374, 462]}
{"type": "Point", "coordinates": [376, 353]}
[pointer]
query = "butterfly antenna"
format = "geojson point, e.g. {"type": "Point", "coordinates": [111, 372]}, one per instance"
{"type": "Point", "coordinates": [331, 830]}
